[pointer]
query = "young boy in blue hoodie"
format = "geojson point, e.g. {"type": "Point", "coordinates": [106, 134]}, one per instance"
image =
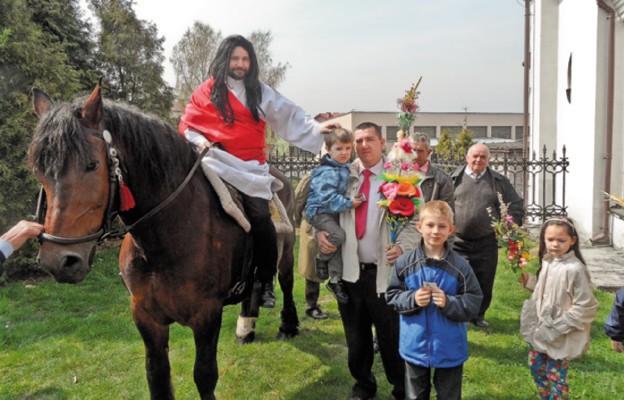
{"type": "Point", "coordinates": [435, 292]}
{"type": "Point", "coordinates": [326, 200]}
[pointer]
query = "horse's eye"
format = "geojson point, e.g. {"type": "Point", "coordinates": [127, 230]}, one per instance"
{"type": "Point", "coordinates": [92, 166]}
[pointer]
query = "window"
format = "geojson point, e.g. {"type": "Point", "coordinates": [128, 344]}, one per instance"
{"type": "Point", "coordinates": [391, 133]}
{"type": "Point", "coordinates": [428, 130]}
{"type": "Point", "coordinates": [452, 130]}
{"type": "Point", "coordinates": [503, 132]}
{"type": "Point", "coordinates": [478, 131]}
{"type": "Point", "coordinates": [519, 132]}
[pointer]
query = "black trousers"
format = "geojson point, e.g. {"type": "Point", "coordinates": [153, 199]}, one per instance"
{"type": "Point", "coordinates": [447, 382]}
{"type": "Point", "coordinates": [482, 255]}
{"type": "Point", "coordinates": [312, 292]}
{"type": "Point", "coordinates": [364, 310]}
{"type": "Point", "coordinates": [264, 237]}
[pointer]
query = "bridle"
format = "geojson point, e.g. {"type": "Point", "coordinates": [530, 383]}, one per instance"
{"type": "Point", "coordinates": [114, 175]}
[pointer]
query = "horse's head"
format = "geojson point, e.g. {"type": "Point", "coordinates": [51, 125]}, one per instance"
{"type": "Point", "coordinates": [71, 161]}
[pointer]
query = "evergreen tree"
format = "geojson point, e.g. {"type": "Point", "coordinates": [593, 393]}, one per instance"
{"type": "Point", "coordinates": [130, 57]}
{"type": "Point", "coordinates": [461, 144]}
{"type": "Point", "coordinates": [444, 148]}
{"type": "Point", "coordinates": [29, 56]}
{"type": "Point", "coordinates": [63, 24]}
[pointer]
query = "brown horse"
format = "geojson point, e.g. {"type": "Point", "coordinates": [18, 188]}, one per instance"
{"type": "Point", "coordinates": [182, 255]}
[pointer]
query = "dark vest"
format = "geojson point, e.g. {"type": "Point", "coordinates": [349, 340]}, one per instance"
{"type": "Point", "coordinates": [472, 198]}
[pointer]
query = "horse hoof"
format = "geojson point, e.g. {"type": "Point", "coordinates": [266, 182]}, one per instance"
{"type": "Point", "coordinates": [249, 338]}
{"type": "Point", "coordinates": [281, 335]}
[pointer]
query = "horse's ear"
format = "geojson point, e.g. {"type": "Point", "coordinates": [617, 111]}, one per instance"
{"type": "Point", "coordinates": [93, 109]}
{"type": "Point", "coordinates": [41, 101]}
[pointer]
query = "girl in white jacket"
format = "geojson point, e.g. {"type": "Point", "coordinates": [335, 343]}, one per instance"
{"type": "Point", "coordinates": [556, 320]}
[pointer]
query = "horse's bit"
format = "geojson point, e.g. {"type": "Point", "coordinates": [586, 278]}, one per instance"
{"type": "Point", "coordinates": [114, 174]}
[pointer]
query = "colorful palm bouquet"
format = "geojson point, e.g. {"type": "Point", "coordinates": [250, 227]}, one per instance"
{"type": "Point", "coordinates": [400, 193]}
{"type": "Point", "coordinates": [408, 106]}
{"type": "Point", "coordinates": [513, 238]}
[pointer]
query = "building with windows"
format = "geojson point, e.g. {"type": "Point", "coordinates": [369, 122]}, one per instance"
{"type": "Point", "coordinates": [483, 126]}
{"type": "Point", "coordinates": [577, 98]}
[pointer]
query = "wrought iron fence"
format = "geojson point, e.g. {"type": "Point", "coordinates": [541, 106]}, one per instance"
{"type": "Point", "coordinates": [294, 163]}
{"type": "Point", "coordinates": [540, 180]}
{"type": "Point", "coordinates": [545, 179]}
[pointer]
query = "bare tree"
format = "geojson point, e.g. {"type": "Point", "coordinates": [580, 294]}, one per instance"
{"type": "Point", "coordinates": [270, 74]}
{"type": "Point", "coordinates": [192, 56]}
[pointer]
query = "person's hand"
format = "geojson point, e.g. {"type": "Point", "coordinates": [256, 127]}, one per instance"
{"type": "Point", "coordinates": [203, 145]}
{"type": "Point", "coordinates": [524, 278]}
{"type": "Point", "coordinates": [617, 346]}
{"type": "Point", "coordinates": [324, 244]}
{"type": "Point", "coordinates": [393, 252]}
{"type": "Point", "coordinates": [21, 232]}
{"type": "Point", "coordinates": [422, 297]}
{"type": "Point", "coordinates": [545, 333]}
{"type": "Point", "coordinates": [439, 297]}
{"type": "Point", "coordinates": [208, 143]}
{"type": "Point", "coordinates": [330, 127]}
{"type": "Point", "coordinates": [357, 201]}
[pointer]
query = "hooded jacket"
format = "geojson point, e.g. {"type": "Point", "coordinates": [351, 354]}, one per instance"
{"type": "Point", "coordinates": [328, 184]}
{"type": "Point", "coordinates": [430, 336]}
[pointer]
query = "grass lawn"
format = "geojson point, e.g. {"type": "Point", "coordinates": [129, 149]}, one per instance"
{"type": "Point", "coordinates": [79, 342]}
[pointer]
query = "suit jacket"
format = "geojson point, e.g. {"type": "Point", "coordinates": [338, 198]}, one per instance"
{"type": "Point", "coordinates": [350, 262]}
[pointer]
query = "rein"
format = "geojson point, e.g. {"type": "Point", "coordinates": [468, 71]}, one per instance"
{"type": "Point", "coordinates": [114, 176]}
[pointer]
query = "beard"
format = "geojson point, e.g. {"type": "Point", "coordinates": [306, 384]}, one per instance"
{"type": "Point", "coordinates": [235, 73]}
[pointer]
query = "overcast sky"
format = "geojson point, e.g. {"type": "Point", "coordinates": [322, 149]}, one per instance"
{"type": "Point", "coordinates": [363, 54]}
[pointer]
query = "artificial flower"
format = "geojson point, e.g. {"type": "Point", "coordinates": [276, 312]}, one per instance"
{"type": "Point", "coordinates": [390, 190]}
{"type": "Point", "coordinates": [406, 189]}
{"type": "Point", "coordinates": [400, 196]}
{"type": "Point", "coordinates": [402, 206]}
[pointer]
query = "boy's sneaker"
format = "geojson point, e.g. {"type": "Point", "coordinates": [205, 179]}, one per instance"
{"type": "Point", "coordinates": [322, 269]}
{"type": "Point", "coordinates": [338, 291]}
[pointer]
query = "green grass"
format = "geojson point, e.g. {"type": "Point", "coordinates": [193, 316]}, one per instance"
{"type": "Point", "coordinates": [79, 342]}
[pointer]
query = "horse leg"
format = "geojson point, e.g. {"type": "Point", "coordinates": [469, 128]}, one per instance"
{"type": "Point", "coordinates": [289, 327]}
{"type": "Point", "coordinates": [156, 339]}
{"type": "Point", "coordinates": [206, 371]}
{"type": "Point", "coordinates": [246, 323]}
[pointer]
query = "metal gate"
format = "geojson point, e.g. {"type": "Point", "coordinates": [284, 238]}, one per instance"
{"type": "Point", "coordinates": [544, 175]}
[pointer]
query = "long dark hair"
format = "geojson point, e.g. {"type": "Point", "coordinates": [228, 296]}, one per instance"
{"type": "Point", "coordinates": [570, 228]}
{"type": "Point", "coordinates": [219, 71]}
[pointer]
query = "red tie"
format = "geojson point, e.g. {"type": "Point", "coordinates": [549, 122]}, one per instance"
{"type": "Point", "coordinates": [362, 210]}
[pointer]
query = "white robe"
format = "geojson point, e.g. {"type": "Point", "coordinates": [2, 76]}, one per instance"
{"type": "Point", "coordinates": [288, 120]}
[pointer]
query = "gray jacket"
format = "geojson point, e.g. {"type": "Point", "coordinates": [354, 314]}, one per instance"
{"type": "Point", "coordinates": [436, 185]}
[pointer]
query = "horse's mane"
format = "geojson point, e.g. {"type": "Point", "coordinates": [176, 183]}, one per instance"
{"type": "Point", "coordinates": [160, 151]}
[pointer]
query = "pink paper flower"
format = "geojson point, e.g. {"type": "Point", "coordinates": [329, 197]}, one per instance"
{"type": "Point", "coordinates": [389, 190]}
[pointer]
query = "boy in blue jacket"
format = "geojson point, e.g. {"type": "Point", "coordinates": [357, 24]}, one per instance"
{"type": "Point", "coordinates": [435, 292]}
{"type": "Point", "coordinates": [326, 200]}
